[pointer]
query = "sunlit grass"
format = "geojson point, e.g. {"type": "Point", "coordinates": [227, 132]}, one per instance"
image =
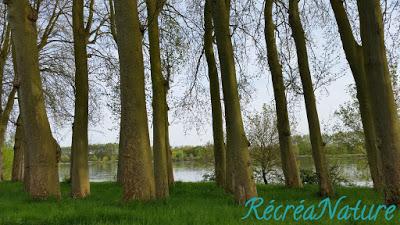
{"type": "Point", "coordinates": [190, 203]}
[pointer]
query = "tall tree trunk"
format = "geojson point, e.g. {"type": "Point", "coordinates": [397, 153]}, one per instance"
{"type": "Point", "coordinates": [137, 176]}
{"type": "Point", "coordinates": [80, 186]}
{"type": "Point", "coordinates": [168, 148]}
{"type": "Point", "coordinates": [19, 148]}
{"type": "Point", "coordinates": [21, 136]}
{"type": "Point", "coordinates": [230, 155]}
{"type": "Point", "coordinates": [317, 143]}
{"type": "Point", "coordinates": [288, 157]}
{"type": "Point", "coordinates": [236, 139]}
{"type": "Point", "coordinates": [218, 130]}
{"type": "Point", "coordinates": [169, 152]}
{"type": "Point", "coordinates": [5, 115]}
{"type": "Point", "coordinates": [355, 58]}
{"type": "Point", "coordinates": [159, 102]}
{"type": "Point", "coordinates": [381, 93]}
{"type": "Point", "coordinates": [42, 147]}
{"type": "Point", "coordinates": [4, 52]}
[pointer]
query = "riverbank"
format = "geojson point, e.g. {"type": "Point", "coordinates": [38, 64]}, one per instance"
{"type": "Point", "coordinates": [190, 203]}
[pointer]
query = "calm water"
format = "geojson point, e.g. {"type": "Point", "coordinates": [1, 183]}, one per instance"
{"type": "Point", "coordinates": [353, 168]}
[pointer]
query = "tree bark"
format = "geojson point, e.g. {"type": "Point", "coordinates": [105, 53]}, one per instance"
{"type": "Point", "coordinates": [288, 156]}
{"type": "Point", "coordinates": [5, 115]}
{"type": "Point", "coordinates": [159, 102]}
{"type": "Point", "coordinates": [218, 130]}
{"type": "Point", "coordinates": [317, 143]}
{"type": "Point", "coordinates": [42, 147]}
{"type": "Point", "coordinates": [137, 176]}
{"type": "Point", "coordinates": [381, 93]}
{"type": "Point", "coordinates": [19, 149]}
{"type": "Point", "coordinates": [169, 153]}
{"type": "Point", "coordinates": [236, 139]}
{"type": "Point", "coordinates": [355, 58]}
{"type": "Point", "coordinates": [80, 186]}
{"type": "Point", "coordinates": [4, 52]}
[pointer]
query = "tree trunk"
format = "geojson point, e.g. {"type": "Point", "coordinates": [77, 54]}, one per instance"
{"type": "Point", "coordinates": [159, 102]}
{"type": "Point", "coordinates": [137, 176]}
{"type": "Point", "coordinates": [288, 157]}
{"type": "Point", "coordinates": [4, 52]}
{"type": "Point", "coordinates": [4, 117]}
{"type": "Point", "coordinates": [230, 157]}
{"type": "Point", "coordinates": [236, 139]}
{"type": "Point", "coordinates": [42, 147]}
{"type": "Point", "coordinates": [19, 148]}
{"type": "Point", "coordinates": [218, 132]}
{"type": "Point", "coordinates": [169, 153]}
{"type": "Point", "coordinates": [317, 144]}
{"type": "Point", "coordinates": [381, 93]}
{"type": "Point", "coordinates": [355, 58]}
{"type": "Point", "coordinates": [80, 186]}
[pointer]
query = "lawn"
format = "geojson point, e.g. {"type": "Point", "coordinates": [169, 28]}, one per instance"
{"type": "Point", "coordinates": [190, 203]}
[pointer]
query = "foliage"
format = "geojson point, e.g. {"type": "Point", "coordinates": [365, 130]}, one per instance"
{"type": "Point", "coordinates": [194, 153]}
{"type": "Point", "coordinates": [337, 143]}
{"type": "Point", "coordinates": [97, 152]}
{"type": "Point", "coordinates": [262, 133]}
{"type": "Point", "coordinates": [208, 177]}
{"type": "Point", "coordinates": [335, 173]}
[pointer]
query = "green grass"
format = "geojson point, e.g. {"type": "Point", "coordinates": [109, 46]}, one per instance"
{"type": "Point", "coordinates": [190, 203]}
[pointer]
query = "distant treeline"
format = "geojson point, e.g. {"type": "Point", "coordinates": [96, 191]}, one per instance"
{"type": "Point", "coordinates": [336, 144]}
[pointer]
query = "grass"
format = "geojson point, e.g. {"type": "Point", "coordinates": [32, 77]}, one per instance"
{"type": "Point", "coordinates": [189, 204]}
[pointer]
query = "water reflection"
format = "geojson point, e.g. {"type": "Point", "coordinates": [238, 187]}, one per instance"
{"type": "Point", "coordinates": [353, 168]}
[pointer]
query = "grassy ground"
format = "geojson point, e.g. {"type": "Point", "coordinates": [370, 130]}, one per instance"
{"type": "Point", "coordinates": [190, 203]}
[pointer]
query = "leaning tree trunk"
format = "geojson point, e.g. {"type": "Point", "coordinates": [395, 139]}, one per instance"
{"type": "Point", "coordinates": [236, 139]}
{"type": "Point", "coordinates": [317, 143]}
{"type": "Point", "coordinates": [80, 186]}
{"type": "Point", "coordinates": [355, 58]}
{"type": "Point", "coordinates": [159, 102]}
{"type": "Point", "coordinates": [19, 149]}
{"type": "Point", "coordinates": [137, 176]}
{"type": "Point", "coordinates": [288, 157]}
{"type": "Point", "coordinates": [5, 115]}
{"type": "Point", "coordinates": [218, 130]}
{"type": "Point", "coordinates": [4, 52]}
{"type": "Point", "coordinates": [42, 147]}
{"type": "Point", "coordinates": [381, 93]}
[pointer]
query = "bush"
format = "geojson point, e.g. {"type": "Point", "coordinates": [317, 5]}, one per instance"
{"type": "Point", "coordinates": [335, 173]}
{"type": "Point", "coordinates": [208, 177]}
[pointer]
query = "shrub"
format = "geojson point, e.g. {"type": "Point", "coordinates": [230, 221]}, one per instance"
{"type": "Point", "coordinates": [335, 173]}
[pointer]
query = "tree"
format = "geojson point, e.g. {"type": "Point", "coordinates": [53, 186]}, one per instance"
{"type": "Point", "coordinates": [317, 143]}
{"type": "Point", "coordinates": [42, 147]}
{"type": "Point", "coordinates": [288, 157]}
{"type": "Point", "coordinates": [217, 122]}
{"type": "Point", "coordinates": [5, 47]}
{"type": "Point", "coordinates": [160, 112]}
{"type": "Point", "coordinates": [19, 151]}
{"type": "Point", "coordinates": [355, 58]}
{"type": "Point", "coordinates": [80, 186]}
{"type": "Point", "coordinates": [137, 176]}
{"type": "Point", "coordinates": [380, 90]}
{"type": "Point", "coordinates": [263, 134]}
{"type": "Point", "coordinates": [237, 143]}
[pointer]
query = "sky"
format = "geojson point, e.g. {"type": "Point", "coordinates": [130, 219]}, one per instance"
{"type": "Point", "coordinates": [328, 101]}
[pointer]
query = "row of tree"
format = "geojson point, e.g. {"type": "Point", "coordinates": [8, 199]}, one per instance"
{"type": "Point", "coordinates": [146, 174]}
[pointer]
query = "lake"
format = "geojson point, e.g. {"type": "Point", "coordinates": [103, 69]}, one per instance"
{"type": "Point", "coordinates": [352, 167]}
